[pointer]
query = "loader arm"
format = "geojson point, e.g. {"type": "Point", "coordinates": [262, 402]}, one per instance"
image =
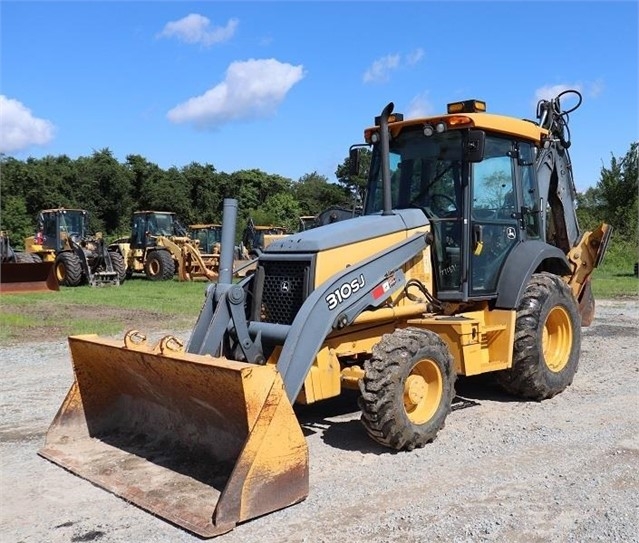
{"type": "Point", "coordinates": [369, 283]}
{"type": "Point", "coordinates": [380, 277]}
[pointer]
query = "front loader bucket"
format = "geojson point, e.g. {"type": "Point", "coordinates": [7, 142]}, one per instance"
{"type": "Point", "coordinates": [202, 442]}
{"type": "Point", "coordinates": [20, 277]}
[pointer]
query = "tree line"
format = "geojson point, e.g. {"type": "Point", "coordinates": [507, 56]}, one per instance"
{"type": "Point", "coordinates": [111, 191]}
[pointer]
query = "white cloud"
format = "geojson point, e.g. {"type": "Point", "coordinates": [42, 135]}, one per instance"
{"type": "Point", "coordinates": [19, 129]}
{"type": "Point", "coordinates": [196, 28]}
{"type": "Point", "coordinates": [414, 57]}
{"type": "Point", "coordinates": [419, 106]}
{"type": "Point", "coordinates": [596, 88]}
{"type": "Point", "coordinates": [380, 70]}
{"type": "Point", "coordinates": [552, 91]}
{"type": "Point", "coordinates": [591, 90]}
{"type": "Point", "coordinates": [252, 89]}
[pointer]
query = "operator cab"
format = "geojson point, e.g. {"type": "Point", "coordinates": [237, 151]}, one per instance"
{"type": "Point", "coordinates": [56, 225]}
{"type": "Point", "coordinates": [148, 225]}
{"type": "Point", "coordinates": [475, 183]}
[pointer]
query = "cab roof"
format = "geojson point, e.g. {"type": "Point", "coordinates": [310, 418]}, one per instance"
{"type": "Point", "coordinates": [512, 126]}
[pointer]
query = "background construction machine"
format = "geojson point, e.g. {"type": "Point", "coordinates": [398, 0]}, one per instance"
{"type": "Point", "coordinates": [258, 237]}
{"type": "Point", "coordinates": [208, 237]}
{"type": "Point", "coordinates": [467, 259]}
{"type": "Point", "coordinates": [159, 246]}
{"type": "Point", "coordinates": [328, 216]}
{"type": "Point", "coordinates": [23, 272]}
{"type": "Point", "coordinates": [79, 258]}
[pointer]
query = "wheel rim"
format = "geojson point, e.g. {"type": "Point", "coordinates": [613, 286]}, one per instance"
{"type": "Point", "coordinates": [423, 390]}
{"type": "Point", "coordinates": [557, 339]}
{"type": "Point", "coordinates": [60, 272]}
{"type": "Point", "coordinates": [154, 267]}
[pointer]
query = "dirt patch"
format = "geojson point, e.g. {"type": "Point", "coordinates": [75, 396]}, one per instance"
{"type": "Point", "coordinates": [57, 322]}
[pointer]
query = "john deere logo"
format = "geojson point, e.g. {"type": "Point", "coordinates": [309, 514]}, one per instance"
{"type": "Point", "coordinates": [285, 287]}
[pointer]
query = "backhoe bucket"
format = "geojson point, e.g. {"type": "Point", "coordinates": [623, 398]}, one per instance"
{"type": "Point", "coordinates": [202, 442]}
{"type": "Point", "coordinates": [21, 277]}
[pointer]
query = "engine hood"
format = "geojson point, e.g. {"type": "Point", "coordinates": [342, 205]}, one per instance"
{"type": "Point", "coordinates": [348, 232]}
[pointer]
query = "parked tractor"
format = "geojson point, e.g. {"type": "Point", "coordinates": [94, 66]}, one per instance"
{"type": "Point", "coordinates": [79, 258]}
{"type": "Point", "coordinates": [159, 246]}
{"type": "Point", "coordinates": [208, 237]}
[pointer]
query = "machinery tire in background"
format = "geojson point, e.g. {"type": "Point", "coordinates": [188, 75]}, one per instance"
{"type": "Point", "coordinates": [117, 260]}
{"type": "Point", "coordinates": [159, 266]}
{"type": "Point", "coordinates": [547, 340]}
{"type": "Point", "coordinates": [68, 269]}
{"type": "Point", "coordinates": [407, 389]}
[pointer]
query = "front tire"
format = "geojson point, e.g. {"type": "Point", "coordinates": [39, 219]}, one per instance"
{"type": "Point", "coordinates": [68, 269]}
{"type": "Point", "coordinates": [407, 389]}
{"type": "Point", "coordinates": [119, 267]}
{"type": "Point", "coordinates": [159, 266]}
{"type": "Point", "coordinates": [547, 340]}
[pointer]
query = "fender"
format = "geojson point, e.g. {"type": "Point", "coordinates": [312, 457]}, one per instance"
{"type": "Point", "coordinates": [521, 263]}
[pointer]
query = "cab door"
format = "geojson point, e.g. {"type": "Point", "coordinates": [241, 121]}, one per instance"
{"type": "Point", "coordinates": [494, 223]}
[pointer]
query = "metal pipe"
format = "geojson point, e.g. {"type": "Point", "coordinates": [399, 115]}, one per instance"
{"type": "Point", "coordinates": [227, 245]}
{"type": "Point", "coordinates": [385, 145]}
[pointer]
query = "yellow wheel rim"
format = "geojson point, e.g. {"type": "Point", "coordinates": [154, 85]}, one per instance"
{"type": "Point", "coordinates": [60, 272]}
{"type": "Point", "coordinates": [423, 391]}
{"type": "Point", "coordinates": [557, 339]}
{"type": "Point", "coordinates": [154, 267]}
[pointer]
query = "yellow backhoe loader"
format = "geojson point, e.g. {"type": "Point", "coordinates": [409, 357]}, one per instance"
{"type": "Point", "coordinates": [467, 259]}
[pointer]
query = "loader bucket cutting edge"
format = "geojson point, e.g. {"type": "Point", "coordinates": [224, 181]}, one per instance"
{"type": "Point", "coordinates": [202, 442]}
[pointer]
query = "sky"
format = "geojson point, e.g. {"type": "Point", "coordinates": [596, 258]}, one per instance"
{"type": "Point", "coordinates": [287, 87]}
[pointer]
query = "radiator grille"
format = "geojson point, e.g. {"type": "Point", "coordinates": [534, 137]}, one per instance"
{"type": "Point", "coordinates": [285, 289]}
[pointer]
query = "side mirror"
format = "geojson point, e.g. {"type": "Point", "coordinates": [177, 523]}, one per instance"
{"type": "Point", "coordinates": [474, 147]}
{"type": "Point", "coordinates": [353, 161]}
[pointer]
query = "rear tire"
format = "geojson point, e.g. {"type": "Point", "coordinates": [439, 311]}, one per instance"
{"type": "Point", "coordinates": [407, 389]}
{"type": "Point", "coordinates": [68, 269]}
{"type": "Point", "coordinates": [547, 340]}
{"type": "Point", "coordinates": [159, 266]}
{"type": "Point", "coordinates": [119, 267]}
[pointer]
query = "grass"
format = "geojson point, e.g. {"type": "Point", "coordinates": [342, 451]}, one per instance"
{"type": "Point", "coordinates": [173, 306]}
{"type": "Point", "coordinates": [614, 284]}
{"type": "Point", "coordinates": [615, 277]}
{"type": "Point", "coordinates": [137, 303]}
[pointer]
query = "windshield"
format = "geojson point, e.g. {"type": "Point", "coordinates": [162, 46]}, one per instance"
{"type": "Point", "coordinates": [161, 224]}
{"type": "Point", "coordinates": [73, 222]}
{"type": "Point", "coordinates": [425, 173]}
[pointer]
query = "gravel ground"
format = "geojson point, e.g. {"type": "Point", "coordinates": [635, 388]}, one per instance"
{"type": "Point", "coordinates": [566, 469]}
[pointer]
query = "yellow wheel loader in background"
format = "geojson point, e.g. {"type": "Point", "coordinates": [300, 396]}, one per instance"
{"type": "Point", "coordinates": [467, 259]}
{"type": "Point", "coordinates": [78, 257]}
{"type": "Point", "coordinates": [159, 246]}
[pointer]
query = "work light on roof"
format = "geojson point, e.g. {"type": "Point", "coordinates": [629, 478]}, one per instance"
{"type": "Point", "coordinates": [467, 106]}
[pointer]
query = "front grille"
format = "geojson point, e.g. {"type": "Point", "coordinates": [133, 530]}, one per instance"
{"type": "Point", "coordinates": [285, 289]}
